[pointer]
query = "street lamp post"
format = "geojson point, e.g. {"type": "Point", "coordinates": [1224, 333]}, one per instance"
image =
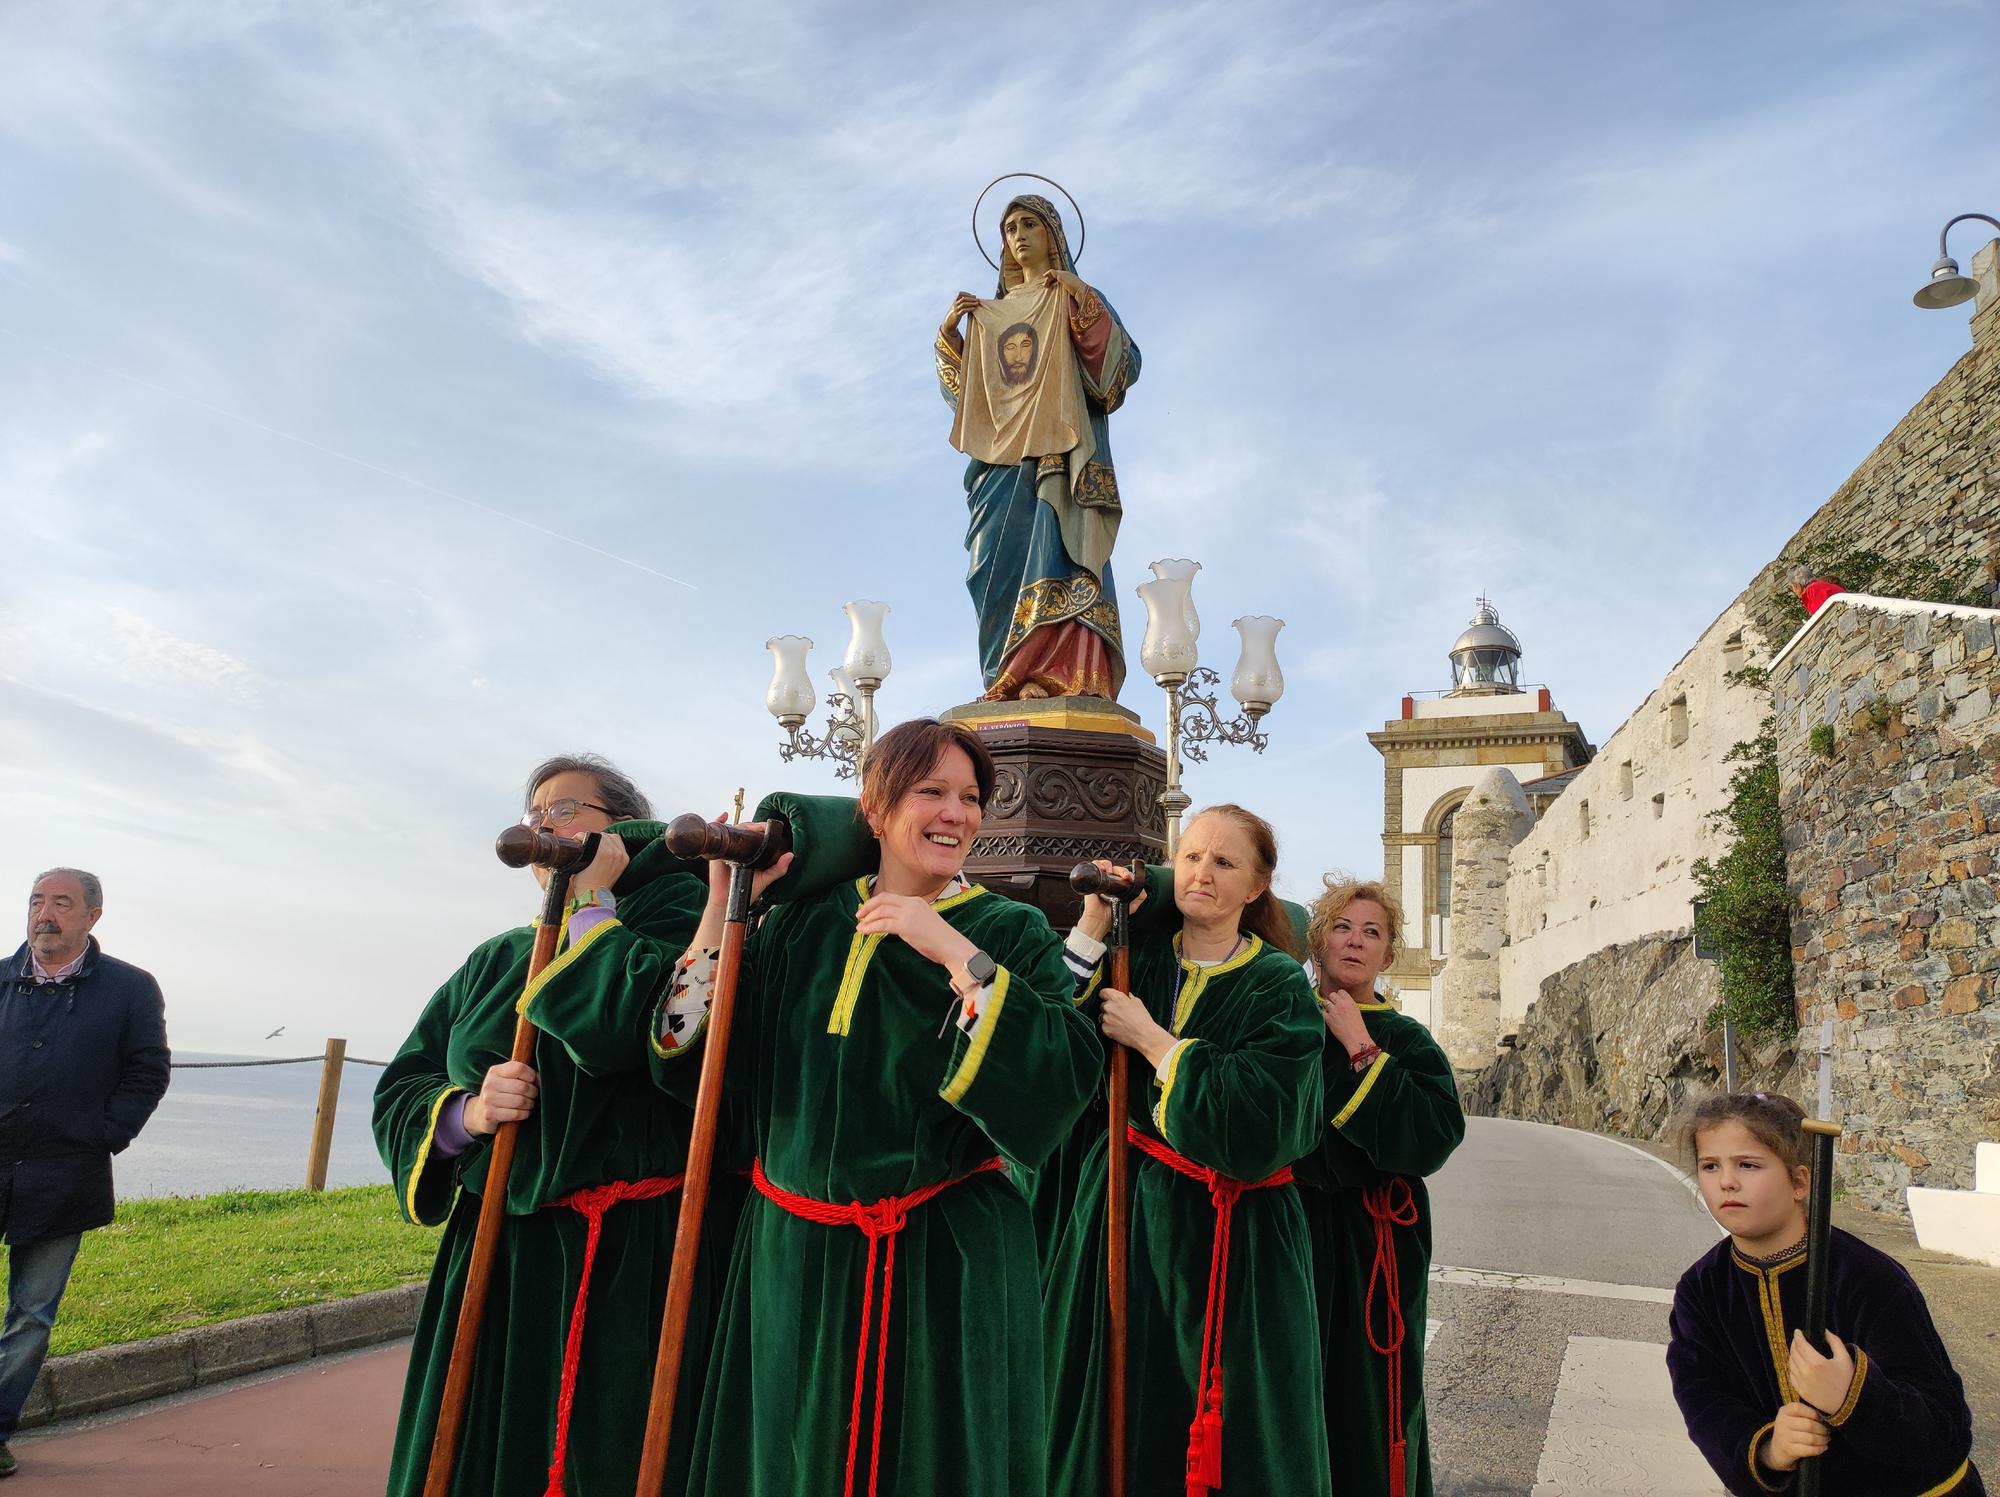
{"type": "Point", "coordinates": [1171, 656]}
{"type": "Point", "coordinates": [850, 725]}
{"type": "Point", "coordinates": [1946, 287]}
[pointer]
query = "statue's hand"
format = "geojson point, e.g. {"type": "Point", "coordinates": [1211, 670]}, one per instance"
{"type": "Point", "coordinates": [963, 306]}
{"type": "Point", "coordinates": [1070, 283]}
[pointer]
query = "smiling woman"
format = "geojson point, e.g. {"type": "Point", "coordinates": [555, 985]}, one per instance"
{"type": "Point", "coordinates": [896, 1036]}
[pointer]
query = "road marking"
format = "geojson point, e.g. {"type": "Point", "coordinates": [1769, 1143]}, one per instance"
{"type": "Point", "coordinates": [1431, 1329]}
{"type": "Point", "coordinates": [1613, 1427]}
{"type": "Point", "coordinates": [1493, 1278]}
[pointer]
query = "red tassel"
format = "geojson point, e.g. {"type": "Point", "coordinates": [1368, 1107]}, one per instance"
{"type": "Point", "coordinates": [1396, 1469]}
{"type": "Point", "coordinates": [1205, 1453]}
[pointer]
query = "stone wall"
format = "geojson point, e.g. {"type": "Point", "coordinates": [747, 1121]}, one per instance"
{"type": "Point", "coordinates": [1892, 832]}
{"type": "Point", "coordinates": [1619, 1042]}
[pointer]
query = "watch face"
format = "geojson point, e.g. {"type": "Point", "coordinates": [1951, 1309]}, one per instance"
{"type": "Point", "coordinates": [980, 967]}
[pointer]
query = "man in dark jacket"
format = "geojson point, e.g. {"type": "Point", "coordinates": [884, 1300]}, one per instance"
{"type": "Point", "coordinates": [83, 1063]}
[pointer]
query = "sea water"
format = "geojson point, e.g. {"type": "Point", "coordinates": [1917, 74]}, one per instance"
{"type": "Point", "coordinates": [248, 1128]}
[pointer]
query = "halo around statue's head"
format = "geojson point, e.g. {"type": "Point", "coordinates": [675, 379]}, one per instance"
{"type": "Point", "coordinates": [1075, 254]}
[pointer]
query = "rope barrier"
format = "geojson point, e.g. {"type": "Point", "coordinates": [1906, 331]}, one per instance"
{"type": "Point", "coordinates": [289, 1060]}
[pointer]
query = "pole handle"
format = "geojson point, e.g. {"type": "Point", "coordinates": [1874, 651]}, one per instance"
{"type": "Point", "coordinates": [1119, 886]}
{"type": "Point", "coordinates": [693, 836]}
{"type": "Point", "coordinates": [523, 847]}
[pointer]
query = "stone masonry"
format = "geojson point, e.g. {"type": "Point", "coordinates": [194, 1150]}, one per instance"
{"type": "Point", "coordinates": [1892, 832]}
{"type": "Point", "coordinates": [1620, 1041]}
{"type": "Point", "coordinates": [1492, 818]}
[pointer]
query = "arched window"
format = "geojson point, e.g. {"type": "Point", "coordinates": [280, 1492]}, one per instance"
{"type": "Point", "coordinates": [1443, 888]}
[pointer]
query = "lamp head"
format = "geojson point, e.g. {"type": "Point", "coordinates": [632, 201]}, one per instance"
{"type": "Point", "coordinates": [1946, 287]}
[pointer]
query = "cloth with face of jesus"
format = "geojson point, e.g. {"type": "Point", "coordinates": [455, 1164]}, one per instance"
{"type": "Point", "coordinates": [1021, 395]}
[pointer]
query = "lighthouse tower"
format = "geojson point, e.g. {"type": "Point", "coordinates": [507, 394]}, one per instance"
{"type": "Point", "coordinates": [1431, 754]}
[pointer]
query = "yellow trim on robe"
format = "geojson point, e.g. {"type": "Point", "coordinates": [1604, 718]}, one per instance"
{"type": "Point", "coordinates": [563, 961]}
{"type": "Point", "coordinates": [1198, 976]}
{"type": "Point", "coordinates": [861, 951]}
{"type": "Point", "coordinates": [1377, 1008]}
{"type": "Point", "coordinates": [1169, 1073]}
{"type": "Point", "coordinates": [424, 1155]}
{"type": "Point", "coordinates": [1756, 1475]}
{"type": "Point", "coordinates": [960, 1081]}
{"type": "Point", "coordinates": [1095, 982]}
{"type": "Point", "coordinates": [1361, 1091]}
{"type": "Point", "coordinates": [1772, 1306]}
{"type": "Point", "coordinates": [1846, 1410]}
{"type": "Point", "coordinates": [1950, 1483]}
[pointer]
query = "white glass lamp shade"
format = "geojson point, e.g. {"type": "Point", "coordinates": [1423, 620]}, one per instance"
{"type": "Point", "coordinates": [867, 662]}
{"type": "Point", "coordinates": [1258, 683]}
{"type": "Point", "coordinates": [790, 695]}
{"type": "Point", "coordinates": [1183, 570]}
{"type": "Point", "coordinates": [1168, 651]}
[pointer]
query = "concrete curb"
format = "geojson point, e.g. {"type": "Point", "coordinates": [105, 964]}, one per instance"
{"type": "Point", "coordinates": [109, 1377]}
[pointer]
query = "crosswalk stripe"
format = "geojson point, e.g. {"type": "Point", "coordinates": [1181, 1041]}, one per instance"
{"type": "Point", "coordinates": [1493, 1278]}
{"type": "Point", "coordinates": [1613, 1427]}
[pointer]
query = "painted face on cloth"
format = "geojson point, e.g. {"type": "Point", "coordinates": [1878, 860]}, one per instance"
{"type": "Point", "coordinates": [928, 833]}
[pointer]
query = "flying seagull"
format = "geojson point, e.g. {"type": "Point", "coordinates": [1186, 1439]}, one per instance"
{"type": "Point", "coordinates": [275, 1033]}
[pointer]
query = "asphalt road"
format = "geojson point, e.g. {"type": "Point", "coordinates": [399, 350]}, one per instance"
{"type": "Point", "coordinates": [1556, 1382]}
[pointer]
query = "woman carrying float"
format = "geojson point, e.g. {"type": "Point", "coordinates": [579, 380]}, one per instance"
{"type": "Point", "coordinates": [1220, 1328]}
{"type": "Point", "coordinates": [1393, 1118]}
{"type": "Point", "coordinates": [896, 1037]}
{"type": "Point", "coordinates": [558, 1389]}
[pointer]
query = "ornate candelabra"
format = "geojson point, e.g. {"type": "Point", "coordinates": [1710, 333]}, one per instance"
{"type": "Point", "coordinates": [1170, 655]}
{"type": "Point", "coordinates": [850, 724]}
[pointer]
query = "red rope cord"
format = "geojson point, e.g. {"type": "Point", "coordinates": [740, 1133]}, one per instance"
{"type": "Point", "coordinates": [1391, 1204]}
{"type": "Point", "coordinates": [877, 1221]}
{"type": "Point", "coordinates": [1204, 1459]}
{"type": "Point", "coordinates": [593, 1201]}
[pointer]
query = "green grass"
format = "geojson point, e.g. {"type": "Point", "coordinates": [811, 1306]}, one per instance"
{"type": "Point", "coordinates": [174, 1262]}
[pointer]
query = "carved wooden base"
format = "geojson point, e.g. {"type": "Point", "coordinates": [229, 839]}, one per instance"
{"type": "Point", "coordinates": [1064, 795]}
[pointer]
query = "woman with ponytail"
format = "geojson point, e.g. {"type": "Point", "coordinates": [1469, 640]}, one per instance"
{"type": "Point", "coordinates": [1226, 1033]}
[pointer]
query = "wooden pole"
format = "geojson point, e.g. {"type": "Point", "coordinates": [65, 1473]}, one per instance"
{"type": "Point", "coordinates": [1120, 887]}
{"type": "Point", "coordinates": [1821, 1136]}
{"type": "Point", "coordinates": [746, 851]}
{"type": "Point", "coordinates": [562, 856]}
{"type": "Point", "coordinates": [1118, 1174]}
{"type": "Point", "coordinates": [321, 1147]}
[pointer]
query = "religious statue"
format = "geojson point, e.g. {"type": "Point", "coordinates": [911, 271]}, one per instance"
{"type": "Point", "coordinates": [1031, 382]}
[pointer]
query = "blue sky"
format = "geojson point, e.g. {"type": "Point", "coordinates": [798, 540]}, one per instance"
{"type": "Point", "coordinates": [395, 395]}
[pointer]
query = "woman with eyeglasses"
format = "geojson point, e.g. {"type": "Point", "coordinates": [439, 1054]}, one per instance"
{"type": "Point", "coordinates": [560, 1385]}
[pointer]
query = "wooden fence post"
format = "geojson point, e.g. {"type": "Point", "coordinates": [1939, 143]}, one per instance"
{"type": "Point", "coordinates": [329, 1102]}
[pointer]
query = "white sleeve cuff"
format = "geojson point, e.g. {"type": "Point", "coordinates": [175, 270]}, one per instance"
{"type": "Point", "coordinates": [1086, 946]}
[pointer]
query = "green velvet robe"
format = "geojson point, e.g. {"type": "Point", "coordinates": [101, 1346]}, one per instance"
{"type": "Point", "coordinates": [1244, 1099]}
{"type": "Point", "coordinates": [1398, 1117]}
{"type": "Point", "coordinates": [598, 1118]}
{"type": "Point", "coordinates": [862, 1086]}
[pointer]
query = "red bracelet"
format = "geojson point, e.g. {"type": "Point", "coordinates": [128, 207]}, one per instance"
{"type": "Point", "coordinates": [1362, 1056]}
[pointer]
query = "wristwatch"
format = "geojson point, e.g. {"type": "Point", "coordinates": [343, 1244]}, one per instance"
{"type": "Point", "coordinates": [980, 969]}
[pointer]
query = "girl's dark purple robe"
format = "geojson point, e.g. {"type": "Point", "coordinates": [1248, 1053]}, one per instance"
{"type": "Point", "coordinates": [1905, 1430]}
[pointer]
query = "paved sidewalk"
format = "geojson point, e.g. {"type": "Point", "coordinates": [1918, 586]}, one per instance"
{"type": "Point", "coordinates": [318, 1429]}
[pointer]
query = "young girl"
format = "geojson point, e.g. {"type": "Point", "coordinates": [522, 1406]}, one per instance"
{"type": "Point", "coordinates": [1883, 1409]}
